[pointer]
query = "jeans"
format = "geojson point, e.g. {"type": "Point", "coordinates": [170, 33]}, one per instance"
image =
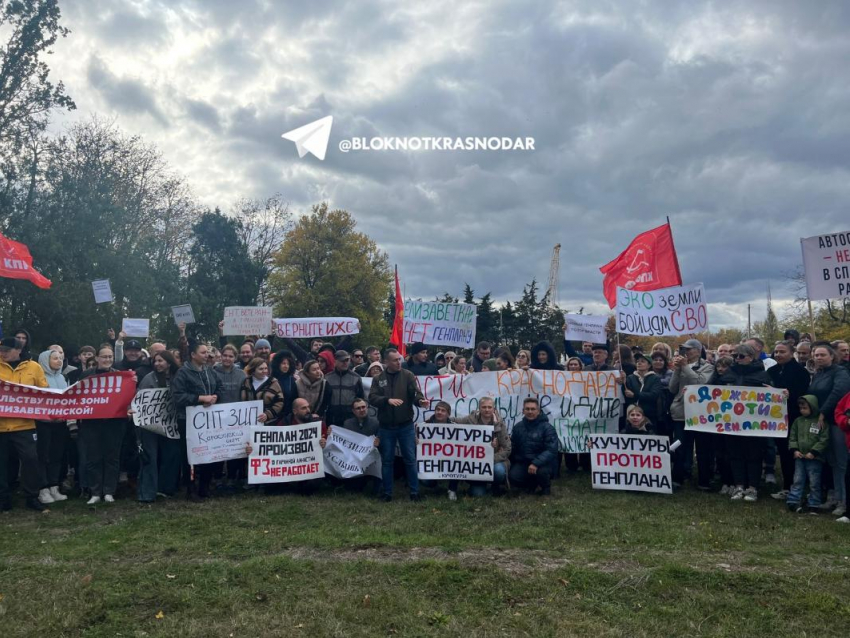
{"type": "Point", "coordinates": [683, 457]}
{"type": "Point", "coordinates": [746, 454]}
{"type": "Point", "coordinates": [806, 469]}
{"type": "Point", "coordinates": [161, 473]}
{"type": "Point", "coordinates": [522, 479]}
{"type": "Point", "coordinates": [479, 488]}
{"type": "Point", "coordinates": [836, 454]}
{"type": "Point", "coordinates": [52, 436]}
{"type": "Point", "coordinates": [705, 443]}
{"type": "Point", "coordinates": [405, 437]}
{"type": "Point", "coordinates": [786, 461]}
{"type": "Point", "coordinates": [102, 443]}
{"type": "Point", "coordinates": [24, 442]}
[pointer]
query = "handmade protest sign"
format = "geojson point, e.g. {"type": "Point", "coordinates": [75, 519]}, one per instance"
{"type": "Point", "coordinates": [183, 314]}
{"type": "Point", "coordinates": [102, 291]}
{"type": "Point", "coordinates": [678, 310]}
{"type": "Point", "coordinates": [316, 327]}
{"type": "Point", "coordinates": [463, 452]}
{"type": "Point", "coordinates": [578, 404]}
{"type": "Point", "coordinates": [637, 462]}
{"type": "Point", "coordinates": [247, 320]}
{"type": "Point", "coordinates": [349, 454]}
{"type": "Point", "coordinates": [585, 328]}
{"type": "Point", "coordinates": [154, 410]}
{"type": "Point", "coordinates": [826, 260]}
{"type": "Point", "coordinates": [738, 410]}
{"type": "Point", "coordinates": [440, 324]}
{"type": "Point", "coordinates": [102, 396]}
{"type": "Point", "coordinates": [136, 327]}
{"type": "Point", "coordinates": [220, 432]}
{"type": "Point", "coordinates": [283, 454]}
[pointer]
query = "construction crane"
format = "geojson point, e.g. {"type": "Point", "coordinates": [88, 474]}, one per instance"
{"type": "Point", "coordinates": [554, 267]}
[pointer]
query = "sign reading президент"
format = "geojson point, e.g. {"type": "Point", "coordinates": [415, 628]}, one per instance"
{"type": "Point", "coordinates": [738, 410]}
{"type": "Point", "coordinates": [440, 324]}
{"type": "Point", "coordinates": [636, 462]}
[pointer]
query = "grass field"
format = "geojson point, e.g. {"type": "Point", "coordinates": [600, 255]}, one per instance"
{"type": "Point", "coordinates": [337, 564]}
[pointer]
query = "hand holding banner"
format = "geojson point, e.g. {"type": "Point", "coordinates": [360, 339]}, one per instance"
{"type": "Point", "coordinates": [637, 462]}
{"type": "Point", "coordinates": [153, 410]}
{"type": "Point", "coordinates": [316, 327]}
{"type": "Point", "coordinates": [585, 328]}
{"type": "Point", "coordinates": [220, 432]}
{"type": "Point", "coordinates": [737, 410]}
{"type": "Point", "coordinates": [247, 320]}
{"type": "Point", "coordinates": [136, 327]}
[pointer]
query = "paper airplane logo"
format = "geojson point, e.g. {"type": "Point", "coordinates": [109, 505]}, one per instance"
{"type": "Point", "coordinates": [312, 137]}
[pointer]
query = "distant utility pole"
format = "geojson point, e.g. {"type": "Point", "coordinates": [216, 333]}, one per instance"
{"type": "Point", "coordinates": [748, 321]}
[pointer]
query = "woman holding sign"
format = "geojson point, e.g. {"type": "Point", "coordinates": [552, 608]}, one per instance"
{"type": "Point", "coordinates": [160, 456]}
{"type": "Point", "coordinates": [259, 386]}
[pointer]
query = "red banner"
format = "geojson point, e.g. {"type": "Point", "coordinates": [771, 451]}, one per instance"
{"type": "Point", "coordinates": [649, 263]}
{"type": "Point", "coordinates": [103, 396]}
{"type": "Point", "coordinates": [397, 336]}
{"type": "Point", "coordinates": [16, 263]}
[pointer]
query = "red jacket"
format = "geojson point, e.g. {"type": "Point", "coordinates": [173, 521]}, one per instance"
{"type": "Point", "coordinates": [841, 418]}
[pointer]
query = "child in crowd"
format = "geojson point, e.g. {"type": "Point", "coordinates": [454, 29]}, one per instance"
{"type": "Point", "coordinates": [807, 441]}
{"type": "Point", "coordinates": [636, 421]}
{"type": "Point", "coordinates": [722, 365]}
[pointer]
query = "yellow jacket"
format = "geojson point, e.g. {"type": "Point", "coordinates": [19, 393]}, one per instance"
{"type": "Point", "coordinates": [24, 373]}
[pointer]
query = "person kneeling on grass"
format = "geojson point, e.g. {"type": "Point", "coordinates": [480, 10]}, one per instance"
{"type": "Point", "coordinates": [486, 415]}
{"type": "Point", "coordinates": [534, 447]}
{"type": "Point", "coordinates": [807, 442]}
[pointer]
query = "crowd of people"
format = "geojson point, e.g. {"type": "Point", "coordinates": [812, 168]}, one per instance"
{"type": "Point", "coordinates": [324, 382]}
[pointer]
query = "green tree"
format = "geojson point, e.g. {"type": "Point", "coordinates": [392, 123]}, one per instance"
{"type": "Point", "coordinates": [221, 271]}
{"type": "Point", "coordinates": [326, 268]}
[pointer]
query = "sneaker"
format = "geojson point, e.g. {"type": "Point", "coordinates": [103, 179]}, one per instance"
{"type": "Point", "coordinates": [34, 504]}
{"type": "Point", "coordinates": [737, 493]}
{"type": "Point", "coordinates": [109, 498]}
{"type": "Point", "coordinates": [770, 478]}
{"type": "Point", "coordinates": [751, 495]}
{"type": "Point", "coordinates": [122, 477]}
{"type": "Point", "coordinates": [830, 505]}
{"type": "Point", "coordinates": [163, 495]}
{"type": "Point", "coordinates": [726, 490]}
{"type": "Point", "coordinates": [839, 511]}
{"type": "Point", "coordinates": [94, 500]}
{"type": "Point", "coordinates": [843, 519]}
{"type": "Point", "coordinates": [452, 495]}
{"type": "Point", "coordinates": [44, 497]}
{"type": "Point", "coordinates": [56, 494]}
{"type": "Point", "coordinates": [780, 495]}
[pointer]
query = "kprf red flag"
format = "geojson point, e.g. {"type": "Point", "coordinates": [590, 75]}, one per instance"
{"type": "Point", "coordinates": [16, 263]}
{"type": "Point", "coordinates": [649, 263]}
{"type": "Point", "coordinates": [397, 337]}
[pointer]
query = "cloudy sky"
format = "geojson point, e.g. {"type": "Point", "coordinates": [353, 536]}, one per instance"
{"type": "Point", "coordinates": [730, 117]}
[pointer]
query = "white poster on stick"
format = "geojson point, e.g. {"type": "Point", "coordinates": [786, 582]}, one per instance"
{"type": "Point", "coordinates": [247, 320]}
{"type": "Point", "coordinates": [183, 314]}
{"type": "Point", "coordinates": [826, 259]}
{"type": "Point", "coordinates": [585, 328]}
{"type": "Point", "coordinates": [677, 310]}
{"type": "Point", "coordinates": [102, 291]}
{"type": "Point", "coordinates": [136, 327]}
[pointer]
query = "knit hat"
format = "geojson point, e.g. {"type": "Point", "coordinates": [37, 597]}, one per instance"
{"type": "Point", "coordinates": [262, 343]}
{"type": "Point", "coordinates": [417, 347]}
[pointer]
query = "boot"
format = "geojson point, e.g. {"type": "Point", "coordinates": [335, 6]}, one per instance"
{"type": "Point", "coordinates": [45, 497]}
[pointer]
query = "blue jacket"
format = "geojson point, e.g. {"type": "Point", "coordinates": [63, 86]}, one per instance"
{"type": "Point", "coordinates": [534, 442]}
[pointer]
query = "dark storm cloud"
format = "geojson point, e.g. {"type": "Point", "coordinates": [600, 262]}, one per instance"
{"type": "Point", "coordinates": [732, 119]}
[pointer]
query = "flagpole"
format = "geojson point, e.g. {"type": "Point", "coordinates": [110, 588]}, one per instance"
{"type": "Point", "coordinates": [811, 318]}
{"type": "Point", "coordinates": [675, 254]}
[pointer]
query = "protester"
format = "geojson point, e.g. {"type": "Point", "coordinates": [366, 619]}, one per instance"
{"type": "Point", "coordinates": [534, 449]}
{"type": "Point", "coordinates": [418, 362]}
{"type": "Point", "coordinates": [246, 354]}
{"type": "Point", "coordinates": [758, 345]}
{"type": "Point", "coordinates": [393, 393]}
{"type": "Point", "coordinates": [102, 440]}
{"type": "Point", "coordinates": [19, 435]}
{"type": "Point", "coordinates": [523, 360]}
{"type": "Point", "coordinates": [283, 369]}
{"type": "Point", "coordinates": [480, 358]}
{"type": "Point", "coordinates": [373, 354]}
{"type": "Point", "coordinates": [52, 435]}
{"type": "Point", "coordinates": [543, 357]}
{"type": "Point", "coordinates": [505, 360]}
{"type": "Point", "coordinates": [690, 369]}
{"type": "Point", "coordinates": [361, 421]}
{"type": "Point", "coordinates": [375, 369]}
{"type": "Point", "coordinates": [230, 375]}
{"type": "Point", "coordinates": [343, 386]}
{"type": "Point", "coordinates": [600, 359]}
{"type": "Point", "coordinates": [449, 357]}
{"type": "Point", "coordinates": [259, 386]}
{"type": "Point", "coordinates": [637, 421]}
{"type": "Point", "coordinates": [326, 360]}
{"type": "Point", "coordinates": [643, 387]}
{"type": "Point", "coordinates": [662, 348]}
{"type": "Point", "coordinates": [745, 452]}
{"type": "Point", "coordinates": [586, 354]}
{"type": "Point", "coordinates": [195, 384]}
{"type": "Point", "coordinates": [830, 383]}
{"type": "Point", "coordinates": [789, 375]}
{"type": "Point", "coordinates": [312, 387]}
{"type": "Point", "coordinates": [486, 415]}
{"type": "Point", "coordinates": [161, 457]}
{"type": "Point", "coordinates": [135, 361]}
{"type": "Point", "coordinates": [808, 439]}
{"type": "Point", "coordinates": [263, 349]}
{"type": "Point", "coordinates": [574, 364]}
{"type": "Point", "coordinates": [626, 359]}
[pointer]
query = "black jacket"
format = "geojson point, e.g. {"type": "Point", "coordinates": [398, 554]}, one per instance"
{"type": "Point", "coordinates": [305, 355]}
{"type": "Point", "coordinates": [830, 385]}
{"type": "Point", "coordinates": [188, 384]}
{"type": "Point", "coordinates": [394, 385]}
{"type": "Point", "coordinates": [426, 369]}
{"type": "Point", "coordinates": [534, 442]}
{"type": "Point", "coordinates": [551, 362]}
{"type": "Point", "coordinates": [793, 377]}
{"type": "Point", "coordinates": [368, 427]}
{"type": "Point", "coordinates": [647, 395]}
{"type": "Point", "coordinates": [752, 375]}
{"type": "Point", "coordinates": [343, 388]}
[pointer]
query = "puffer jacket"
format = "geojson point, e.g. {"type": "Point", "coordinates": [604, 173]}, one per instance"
{"type": "Point", "coordinates": [689, 374]}
{"type": "Point", "coordinates": [501, 454]}
{"type": "Point", "coordinates": [830, 385]}
{"type": "Point", "coordinates": [24, 372]}
{"type": "Point", "coordinates": [534, 442]}
{"type": "Point", "coordinates": [230, 383]}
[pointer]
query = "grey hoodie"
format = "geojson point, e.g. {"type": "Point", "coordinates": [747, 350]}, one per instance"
{"type": "Point", "coordinates": [54, 377]}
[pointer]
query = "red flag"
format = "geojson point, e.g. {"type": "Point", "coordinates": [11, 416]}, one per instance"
{"type": "Point", "coordinates": [397, 337]}
{"type": "Point", "coordinates": [16, 263]}
{"type": "Point", "coordinates": [649, 263]}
